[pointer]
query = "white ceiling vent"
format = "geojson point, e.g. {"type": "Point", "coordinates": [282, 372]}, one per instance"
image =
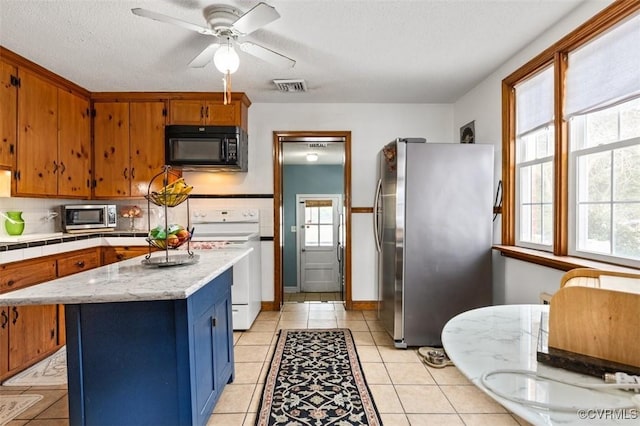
{"type": "Point", "coordinates": [298, 85]}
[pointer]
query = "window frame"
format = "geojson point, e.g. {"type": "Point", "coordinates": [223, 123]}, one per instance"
{"type": "Point", "coordinates": [555, 56]}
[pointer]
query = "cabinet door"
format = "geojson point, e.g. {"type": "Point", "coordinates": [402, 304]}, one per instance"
{"type": "Point", "coordinates": [79, 262]}
{"type": "Point", "coordinates": [218, 114]}
{"type": "Point", "coordinates": [74, 145]}
{"type": "Point", "coordinates": [147, 144]}
{"type": "Point", "coordinates": [223, 338]}
{"type": "Point", "coordinates": [37, 154]}
{"type": "Point", "coordinates": [26, 273]}
{"type": "Point", "coordinates": [116, 254]}
{"type": "Point", "coordinates": [186, 112]}
{"type": "Point", "coordinates": [8, 114]}
{"type": "Point", "coordinates": [111, 149]}
{"type": "Point", "coordinates": [4, 341]}
{"type": "Point", "coordinates": [32, 333]}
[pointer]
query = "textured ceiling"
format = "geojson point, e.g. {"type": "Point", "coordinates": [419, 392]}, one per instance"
{"type": "Point", "coordinates": [405, 51]}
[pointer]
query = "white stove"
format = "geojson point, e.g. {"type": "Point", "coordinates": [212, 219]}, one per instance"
{"type": "Point", "coordinates": [229, 229]}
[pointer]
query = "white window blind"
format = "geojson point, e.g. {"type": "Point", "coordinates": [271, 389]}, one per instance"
{"type": "Point", "coordinates": [605, 71]}
{"type": "Point", "coordinates": [534, 102]}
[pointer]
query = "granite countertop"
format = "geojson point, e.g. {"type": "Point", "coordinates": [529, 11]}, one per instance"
{"type": "Point", "coordinates": [130, 280]}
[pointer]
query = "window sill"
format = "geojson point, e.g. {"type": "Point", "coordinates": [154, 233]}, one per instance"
{"type": "Point", "coordinates": [564, 263]}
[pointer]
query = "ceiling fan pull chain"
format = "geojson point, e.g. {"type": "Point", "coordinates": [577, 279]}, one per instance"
{"type": "Point", "coordinates": [224, 88]}
{"type": "Point", "coordinates": [226, 81]}
{"type": "Point", "coordinates": [228, 88]}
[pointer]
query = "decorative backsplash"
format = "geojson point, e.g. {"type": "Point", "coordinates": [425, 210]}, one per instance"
{"type": "Point", "coordinates": [38, 212]}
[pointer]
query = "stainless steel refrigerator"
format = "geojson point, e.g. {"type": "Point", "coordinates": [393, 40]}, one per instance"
{"type": "Point", "coordinates": [433, 229]}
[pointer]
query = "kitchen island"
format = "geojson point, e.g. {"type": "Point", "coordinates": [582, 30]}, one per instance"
{"type": "Point", "coordinates": [145, 345]}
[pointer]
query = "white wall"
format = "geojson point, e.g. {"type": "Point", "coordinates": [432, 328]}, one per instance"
{"type": "Point", "coordinates": [515, 281]}
{"type": "Point", "coordinates": [371, 126]}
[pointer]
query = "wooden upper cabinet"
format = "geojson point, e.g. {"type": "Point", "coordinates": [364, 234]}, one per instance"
{"type": "Point", "coordinates": [74, 145]}
{"type": "Point", "coordinates": [187, 112]}
{"type": "Point", "coordinates": [212, 113]}
{"type": "Point", "coordinates": [8, 114]}
{"type": "Point", "coordinates": [146, 135]}
{"type": "Point", "coordinates": [128, 147]}
{"type": "Point", "coordinates": [37, 159]}
{"type": "Point", "coordinates": [111, 150]}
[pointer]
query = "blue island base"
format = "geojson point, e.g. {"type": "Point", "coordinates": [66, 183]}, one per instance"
{"type": "Point", "coordinates": [150, 362]}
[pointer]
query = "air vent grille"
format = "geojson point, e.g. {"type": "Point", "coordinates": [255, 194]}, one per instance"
{"type": "Point", "coordinates": [291, 85]}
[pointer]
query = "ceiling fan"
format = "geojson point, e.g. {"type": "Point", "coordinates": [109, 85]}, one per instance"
{"type": "Point", "coordinates": [227, 24]}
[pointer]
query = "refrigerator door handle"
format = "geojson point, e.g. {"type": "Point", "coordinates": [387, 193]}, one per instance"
{"type": "Point", "coordinates": [376, 217]}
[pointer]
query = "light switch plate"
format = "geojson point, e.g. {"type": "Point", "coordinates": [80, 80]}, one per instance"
{"type": "Point", "coordinates": [294, 228]}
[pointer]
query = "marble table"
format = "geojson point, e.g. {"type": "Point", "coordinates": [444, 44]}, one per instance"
{"type": "Point", "coordinates": [505, 337]}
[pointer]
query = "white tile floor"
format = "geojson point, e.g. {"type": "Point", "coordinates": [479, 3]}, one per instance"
{"type": "Point", "coordinates": [406, 391]}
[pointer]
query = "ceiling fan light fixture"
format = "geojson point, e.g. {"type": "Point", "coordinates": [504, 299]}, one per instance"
{"type": "Point", "coordinates": [312, 157]}
{"type": "Point", "coordinates": [226, 59]}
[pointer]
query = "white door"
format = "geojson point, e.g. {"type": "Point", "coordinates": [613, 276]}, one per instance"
{"type": "Point", "coordinates": [318, 220]}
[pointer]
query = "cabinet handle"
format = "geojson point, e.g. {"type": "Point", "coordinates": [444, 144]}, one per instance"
{"type": "Point", "coordinates": [10, 283]}
{"type": "Point", "coordinates": [125, 173]}
{"type": "Point", "coordinates": [55, 167]}
{"type": "Point", "coordinates": [207, 112]}
{"type": "Point", "coordinates": [5, 319]}
{"type": "Point", "coordinates": [11, 149]}
{"type": "Point", "coordinates": [133, 173]}
{"type": "Point", "coordinates": [119, 256]}
{"type": "Point", "coordinates": [201, 112]}
{"type": "Point", "coordinates": [63, 167]}
{"type": "Point", "coordinates": [213, 321]}
{"type": "Point", "coordinates": [80, 263]}
{"type": "Point", "coordinates": [15, 315]}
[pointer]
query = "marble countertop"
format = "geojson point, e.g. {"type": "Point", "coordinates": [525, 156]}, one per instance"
{"type": "Point", "coordinates": [505, 337]}
{"type": "Point", "coordinates": [130, 280]}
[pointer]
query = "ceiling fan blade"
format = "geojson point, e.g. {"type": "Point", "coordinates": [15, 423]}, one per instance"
{"type": "Point", "coordinates": [171, 20]}
{"type": "Point", "coordinates": [267, 55]}
{"type": "Point", "coordinates": [259, 16]}
{"type": "Point", "coordinates": [205, 56]}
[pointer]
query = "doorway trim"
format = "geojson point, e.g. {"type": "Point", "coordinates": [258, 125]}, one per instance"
{"type": "Point", "coordinates": [280, 137]}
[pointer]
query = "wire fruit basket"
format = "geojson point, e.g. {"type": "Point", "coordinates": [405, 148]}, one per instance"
{"type": "Point", "coordinates": [166, 237]}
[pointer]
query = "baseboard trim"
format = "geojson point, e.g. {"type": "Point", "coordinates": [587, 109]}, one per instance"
{"type": "Point", "coordinates": [356, 305]}
{"type": "Point", "coordinates": [364, 305]}
{"type": "Point", "coordinates": [269, 306]}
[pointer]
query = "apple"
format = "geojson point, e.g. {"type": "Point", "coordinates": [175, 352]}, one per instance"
{"type": "Point", "coordinates": [173, 240]}
{"type": "Point", "coordinates": [183, 235]}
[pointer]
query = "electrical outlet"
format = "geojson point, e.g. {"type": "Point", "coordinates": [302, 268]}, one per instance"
{"type": "Point", "coordinates": [294, 228]}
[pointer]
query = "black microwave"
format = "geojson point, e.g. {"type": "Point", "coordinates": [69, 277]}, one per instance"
{"type": "Point", "coordinates": [214, 148]}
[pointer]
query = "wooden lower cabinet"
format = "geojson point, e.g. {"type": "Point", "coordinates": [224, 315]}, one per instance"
{"type": "Point", "coordinates": [27, 333]}
{"type": "Point", "coordinates": [117, 253]}
{"type": "Point", "coordinates": [32, 334]}
{"type": "Point", "coordinates": [79, 261]}
{"type": "Point", "coordinates": [4, 341]}
{"type": "Point", "coordinates": [72, 263]}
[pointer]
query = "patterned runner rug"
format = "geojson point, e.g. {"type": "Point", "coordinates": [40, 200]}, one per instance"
{"type": "Point", "coordinates": [315, 379]}
{"type": "Point", "coordinates": [12, 405]}
{"type": "Point", "coordinates": [51, 371]}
